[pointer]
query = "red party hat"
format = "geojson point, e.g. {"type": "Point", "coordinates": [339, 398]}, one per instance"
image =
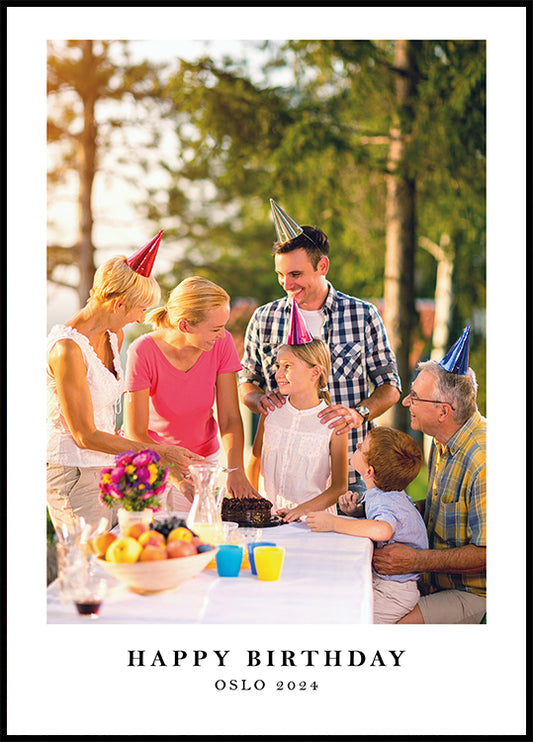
{"type": "Point", "coordinates": [142, 261]}
{"type": "Point", "coordinates": [298, 332]}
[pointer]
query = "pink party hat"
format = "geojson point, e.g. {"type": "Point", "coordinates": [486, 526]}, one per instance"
{"type": "Point", "coordinates": [456, 359]}
{"type": "Point", "coordinates": [142, 261]}
{"type": "Point", "coordinates": [298, 332]}
{"type": "Point", "coordinates": [286, 228]}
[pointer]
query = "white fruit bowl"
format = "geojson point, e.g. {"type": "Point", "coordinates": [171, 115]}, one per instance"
{"type": "Point", "coordinates": [154, 577]}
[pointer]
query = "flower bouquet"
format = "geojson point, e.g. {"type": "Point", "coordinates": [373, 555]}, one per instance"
{"type": "Point", "coordinates": [135, 482]}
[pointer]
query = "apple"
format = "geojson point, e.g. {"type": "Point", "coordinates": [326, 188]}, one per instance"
{"type": "Point", "coordinates": [151, 553]}
{"type": "Point", "coordinates": [177, 549]}
{"type": "Point", "coordinates": [124, 549]}
{"type": "Point", "coordinates": [152, 538]}
{"type": "Point", "coordinates": [179, 534]}
{"type": "Point", "coordinates": [101, 543]}
{"type": "Point", "coordinates": [136, 530]}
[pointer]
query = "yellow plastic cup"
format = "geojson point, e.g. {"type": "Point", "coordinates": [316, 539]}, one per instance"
{"type": "Point", "coordinates": [268, 562]}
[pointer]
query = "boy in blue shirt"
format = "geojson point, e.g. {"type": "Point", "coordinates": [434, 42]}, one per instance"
{"type": "Point", "coordinates": [387, 460]}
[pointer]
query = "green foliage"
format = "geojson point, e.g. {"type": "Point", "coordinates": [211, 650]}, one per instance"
{"type": "Point", "coordinates": [318, 145]}
{"type": "Point", "coordinates": [51, 537]}
{"type": "Point", "coordinates": [418, 488]}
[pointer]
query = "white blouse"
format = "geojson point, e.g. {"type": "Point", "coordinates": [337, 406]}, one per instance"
{"type": "Point", "coordinates": [295, 459]}
{"type": "Point", "coordinates": [106, 391]}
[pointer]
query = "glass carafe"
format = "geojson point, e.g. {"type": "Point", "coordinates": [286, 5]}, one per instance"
{"type": "Point", "coordinates": [204, 517]}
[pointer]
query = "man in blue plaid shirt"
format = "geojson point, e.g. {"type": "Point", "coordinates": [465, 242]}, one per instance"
{"type": "Point", "coordinates": [364, 380]}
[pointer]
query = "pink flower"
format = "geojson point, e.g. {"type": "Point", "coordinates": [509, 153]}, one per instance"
{"type": "Point", "coordinates": [143, 474]}
{"type": "Point", "coordinates": [117, 473]}
{"type": "Point", "coordinates": [142, 459]}
{"type": "Point", "coordinates": [122, 459]}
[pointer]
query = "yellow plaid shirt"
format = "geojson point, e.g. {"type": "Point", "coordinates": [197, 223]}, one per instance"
{"type": "Point", "coordinates": [455, 512]}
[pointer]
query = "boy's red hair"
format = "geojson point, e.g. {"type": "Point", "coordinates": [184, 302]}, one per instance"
{"type": "Point", "coordinates": [395, 457]}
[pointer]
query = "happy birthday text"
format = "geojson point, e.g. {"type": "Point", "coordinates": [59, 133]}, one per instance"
{"type": "Point", "coordinates": [266, 658]}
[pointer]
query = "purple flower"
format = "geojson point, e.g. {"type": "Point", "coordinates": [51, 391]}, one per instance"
{"type": "Point", "coordinates": [122, 459]}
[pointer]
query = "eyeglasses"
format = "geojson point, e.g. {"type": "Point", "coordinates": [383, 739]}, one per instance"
{"type": "Point", "coordinates": [415, 398]}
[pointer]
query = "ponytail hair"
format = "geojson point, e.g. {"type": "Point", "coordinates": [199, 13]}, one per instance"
{"type": "Point", "coordinates": [324, 394]}
{"type": "Point", "coordinates": [315, 353]}
{"type": "Point", "coordinates": [190, 300]}
{"type": "Point", "coordinates": [158, 317]}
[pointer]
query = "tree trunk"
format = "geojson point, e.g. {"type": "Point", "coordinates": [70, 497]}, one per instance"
{"type": "Point", "coordinates": [444, 255]}
{"type": "Point", "coordinates": [399, 299]}
{"type": "Point", "coordinates": [87, 169]}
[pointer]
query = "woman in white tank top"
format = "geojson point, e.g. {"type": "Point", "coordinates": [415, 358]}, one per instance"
{"type": "Point", "coordinates": [85, 384]}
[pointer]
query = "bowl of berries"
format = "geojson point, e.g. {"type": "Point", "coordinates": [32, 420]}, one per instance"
{"type": "Point", "coordinates": [157, 557]}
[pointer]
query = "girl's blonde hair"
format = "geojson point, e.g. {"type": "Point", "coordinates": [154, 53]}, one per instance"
{"type": "Point", "coordinates": [315, 353]}
{"type": "Point", "coordinates": [190, 300]}
{"type": "Point", "coordinates": [114, 279]}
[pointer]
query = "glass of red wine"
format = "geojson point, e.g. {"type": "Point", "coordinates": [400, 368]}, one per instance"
{"type": "Point", "coordinates": [87, 594]}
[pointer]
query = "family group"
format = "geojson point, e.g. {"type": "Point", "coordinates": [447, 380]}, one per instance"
{"type": "Point", "coordinates": [318, 371]}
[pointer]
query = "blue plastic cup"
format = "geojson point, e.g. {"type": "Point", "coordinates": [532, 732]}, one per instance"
{"type": "Point", "coordinates": [251, 547]}
{"type": "Point", "coordinates": [229, 560]}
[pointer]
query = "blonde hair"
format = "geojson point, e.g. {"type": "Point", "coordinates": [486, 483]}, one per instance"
{"type": "Point", "coordinates": [191, 300]}
{"type": "Point", "coordinates": [315, 353]}
{"type": "Point", "coordinates": [114, 279]}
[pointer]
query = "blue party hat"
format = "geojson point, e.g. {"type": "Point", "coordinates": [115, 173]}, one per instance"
{"type": "Point", "coordinates": [456, 359]}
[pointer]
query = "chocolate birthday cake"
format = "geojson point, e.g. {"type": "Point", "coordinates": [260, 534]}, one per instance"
{"type": "Point", "coordinates": [250, 510]}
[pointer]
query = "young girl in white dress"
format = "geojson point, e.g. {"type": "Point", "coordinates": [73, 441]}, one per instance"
{"type": "Point", "coordinates": [304, 466]}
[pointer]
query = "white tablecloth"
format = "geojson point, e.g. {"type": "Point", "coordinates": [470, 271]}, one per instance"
{"type": "Point", "coordinates": [326, 578]}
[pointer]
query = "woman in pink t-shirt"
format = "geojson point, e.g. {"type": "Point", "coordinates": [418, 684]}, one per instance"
{"type": "Point", "coordinates": [175, 374]}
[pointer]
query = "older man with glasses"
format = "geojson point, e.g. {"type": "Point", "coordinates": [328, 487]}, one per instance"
{"type": "Point", "coordinates": [442, 404]}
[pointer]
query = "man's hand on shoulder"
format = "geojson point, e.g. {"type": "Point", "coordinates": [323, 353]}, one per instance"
{"type": "Point", "coordinates": [269, 401]}
{"type": "Point", "coordinates": [259, 401]}
{"type": "Point", "coordinates": [341, 418]}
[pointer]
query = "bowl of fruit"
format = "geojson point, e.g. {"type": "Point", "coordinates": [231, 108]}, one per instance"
{"type": "Point", "coordinates": [153, 558]}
